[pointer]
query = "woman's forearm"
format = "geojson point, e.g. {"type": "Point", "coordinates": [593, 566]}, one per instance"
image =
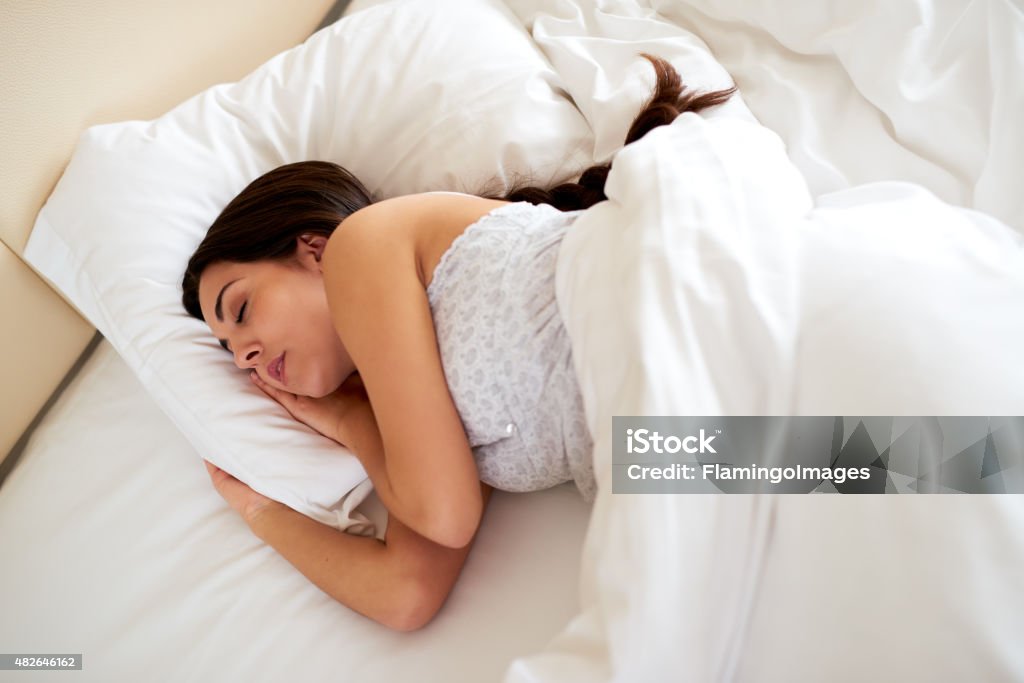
{"type": "Point", "coordinates": [354, 570]}
{"type": "Point", "coordinates": [361, 435]}
{"type": "Point", "coordinates": [358, 430]}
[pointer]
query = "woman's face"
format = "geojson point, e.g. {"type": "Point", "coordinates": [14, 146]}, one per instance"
{"type": "Point", "coordinates": [273, 317]}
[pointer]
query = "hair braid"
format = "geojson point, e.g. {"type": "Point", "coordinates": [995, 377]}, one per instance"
{"type": "Point", "coordinates": [669, 99]}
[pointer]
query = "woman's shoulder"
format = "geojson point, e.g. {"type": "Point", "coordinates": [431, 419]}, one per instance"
{"type": "Point", "coordinates": [425, 207]}
{"type": "Point", "coordinates": [421, 225]}
{"type": "Point", "coordinates": [452, 193]}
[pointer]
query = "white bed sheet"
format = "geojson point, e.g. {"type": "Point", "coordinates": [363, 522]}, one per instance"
{"type": "Point", "coordinates": [116, 546]}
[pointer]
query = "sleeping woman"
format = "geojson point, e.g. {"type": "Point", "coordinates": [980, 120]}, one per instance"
{"type": "Point", "coordinates": [422, 334]}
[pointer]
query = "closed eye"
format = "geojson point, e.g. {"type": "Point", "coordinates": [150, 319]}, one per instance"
{"type": "Point", "coordinates": [238, 321]}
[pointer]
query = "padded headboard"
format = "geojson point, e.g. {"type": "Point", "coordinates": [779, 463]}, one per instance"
{"type": "Point", "coordinates": [69, 64]}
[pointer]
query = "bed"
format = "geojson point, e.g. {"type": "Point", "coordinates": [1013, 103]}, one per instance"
{"type": "Point", "coordinates": [119, 549]}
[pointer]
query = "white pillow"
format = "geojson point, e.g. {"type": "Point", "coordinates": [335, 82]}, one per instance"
{"type": "Point", "coordinates": [408, 96]}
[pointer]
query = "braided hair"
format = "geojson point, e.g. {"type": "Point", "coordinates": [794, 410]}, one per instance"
{"type": "Point", "coordinates": [669, 99]}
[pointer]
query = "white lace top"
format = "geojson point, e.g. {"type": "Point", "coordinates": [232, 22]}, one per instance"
{"type": "Point", "coordinates": [506, 354]}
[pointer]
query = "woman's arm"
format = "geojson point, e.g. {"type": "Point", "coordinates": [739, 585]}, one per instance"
{"type": "Point", "coordinates": [401, 582]}
{"type": "Point", "coordinates": [422, 467]}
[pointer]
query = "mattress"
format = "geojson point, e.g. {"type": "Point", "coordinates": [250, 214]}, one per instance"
{"type": "Point", "coordinates": [118, 548]}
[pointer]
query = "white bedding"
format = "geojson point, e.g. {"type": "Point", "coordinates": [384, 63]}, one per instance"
{"type": "Point", "coordinates": [925, 91]}
{"type": "Point", "coordinates": [708, 285]}
{"type": "Point", "coordinates": [127, 555]}
{"type": "Point", "coordinates": [733, 280]}
{"type": "Point", "coordinates": [117, 547]}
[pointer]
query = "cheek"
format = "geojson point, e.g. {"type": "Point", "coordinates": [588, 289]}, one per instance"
{"type": "Point", "coordinates": [328, 362]}
{"type": "Point", "coordinates": [303, 308]}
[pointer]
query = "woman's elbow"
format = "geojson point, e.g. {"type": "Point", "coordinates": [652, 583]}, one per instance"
{"type": "Point", "coordinates": [418, 606]}
{"type": "Point", "coordinates": [412, 621]}
{"type": "Point", "coordinates": [450, 524]}
{"type": "Point", "coordinates": [453, 528]}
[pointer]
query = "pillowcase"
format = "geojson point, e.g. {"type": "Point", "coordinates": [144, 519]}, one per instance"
{"type": "Point", "coordinates": [409, 96]}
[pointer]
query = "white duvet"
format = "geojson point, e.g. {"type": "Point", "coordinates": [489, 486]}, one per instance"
{"type": "Point", "coordinates": [709, 284]}
{"type": "Point", "coordinates": [866, 262]}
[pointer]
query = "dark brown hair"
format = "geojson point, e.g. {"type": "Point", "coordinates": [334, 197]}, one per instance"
{"type": "Point", "coordinates": [266, 218]}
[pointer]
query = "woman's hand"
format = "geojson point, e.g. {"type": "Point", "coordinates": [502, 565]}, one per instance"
{"type": "Point", "coordinates": [327, 414]}
{"type": "Point", "coordinates": [240, 497]}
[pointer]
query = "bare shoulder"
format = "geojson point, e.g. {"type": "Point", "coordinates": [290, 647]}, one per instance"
{"type": "Point", "coordinates": [416, 229]}
{"type": "Point", "coordinates": [433, 205]}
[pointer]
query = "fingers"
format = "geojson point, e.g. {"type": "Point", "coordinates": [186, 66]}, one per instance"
{"type": "Point", "coordinates": [216, 473]}
{"type": "Point", "coordinates": [219, 477]}
{"type": "Point", "coordinates": [272, 392]}
{"type": "Point", "coordinates": [254, 376]}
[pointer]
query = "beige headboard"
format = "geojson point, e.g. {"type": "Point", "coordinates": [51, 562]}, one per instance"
{"type": "Point", "coordinates": [69, 64]}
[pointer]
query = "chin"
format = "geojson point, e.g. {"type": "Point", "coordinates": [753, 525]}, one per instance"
{"type": "Point", "coordinates": [324, 389]}
{"type": "Point", "coordinates": [316, 391]}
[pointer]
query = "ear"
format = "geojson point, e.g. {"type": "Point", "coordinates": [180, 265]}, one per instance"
{"type": "Point", "coordinates": [310, 248]}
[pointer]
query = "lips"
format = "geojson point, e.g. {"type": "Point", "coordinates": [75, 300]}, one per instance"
{"type": "Point", "coordinates": [275, 369]}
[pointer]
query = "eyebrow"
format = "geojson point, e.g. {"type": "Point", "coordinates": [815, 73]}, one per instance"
{"type": "Point", "coordinates": [219, 312]}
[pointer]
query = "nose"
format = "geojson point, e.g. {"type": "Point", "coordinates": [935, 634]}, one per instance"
{"type": "Point", "coordinates": [247, 355]}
